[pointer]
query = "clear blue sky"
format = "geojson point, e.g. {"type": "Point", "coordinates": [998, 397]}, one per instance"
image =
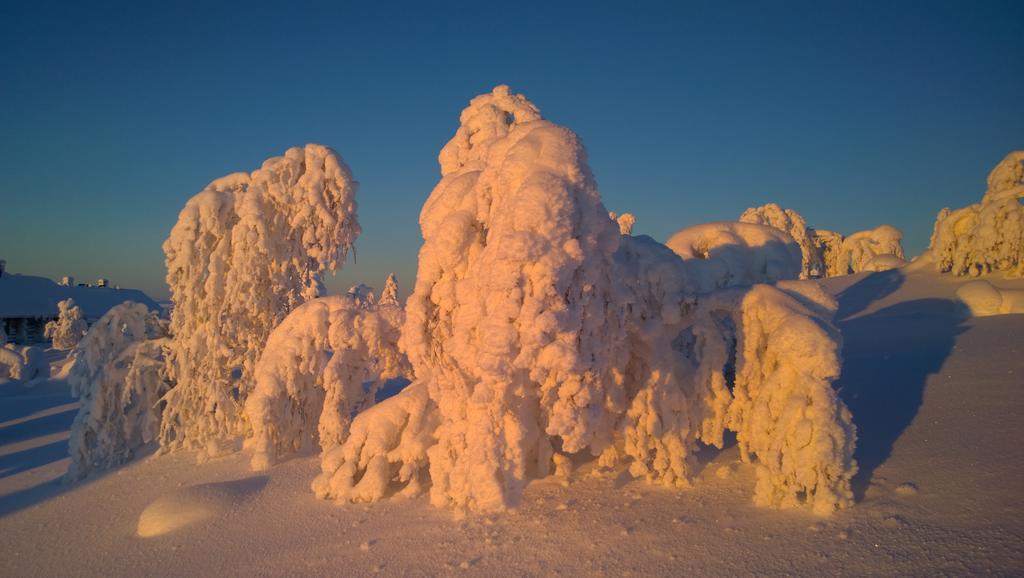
{"type": "Point", "coordinates": [853, 113]}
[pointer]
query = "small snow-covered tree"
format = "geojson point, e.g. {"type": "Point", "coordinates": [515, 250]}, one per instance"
{"type": "Point", "coordinates": [69, 327]}
{"type": "Point", "coordinates": [321, 365]}
{"type": "Point", "coordinates": [389, 296]}
{"type": "Point", "coordinates": [119, 377]}
{"type": "Point", "coordinates": [728, 254]}
{"type": "Point", "coordinates": [625, 222]}
{"type": "Point", "coordinates": [245, 251]}
{"type": "Point", "coordinates": [986, 236]}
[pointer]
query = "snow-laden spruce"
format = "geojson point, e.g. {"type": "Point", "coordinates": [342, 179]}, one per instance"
{"type": "Point", "coordinates": [793, 224]}
{"type": "Point", "coordinates": [867, 250]}
{"type": "Point", "coordinates": [512, 318]}
{"type": "Point", "coordinates": [245, 251]}
{"type": "Point", "coordinates": [389, 295]}
{"type": "Point", "coordinates": [988, 236]}
{"type": "Point", "coordinates": [727, 254]}
{"type": "Point", "coordinates": [118, 376]}
{"type": "Point", "coordinates": [322, 364]}
{"type": "Point", "coordinates": [536, 329]}
{"type": "Point", "coordinates": [67, 330]}
{"type": "Point", "coordinates": [829, 254]}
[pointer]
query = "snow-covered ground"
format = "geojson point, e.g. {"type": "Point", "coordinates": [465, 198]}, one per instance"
{"type": "Point", "coordinates": [937, 399]}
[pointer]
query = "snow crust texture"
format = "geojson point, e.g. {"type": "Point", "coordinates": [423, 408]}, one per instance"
{"type": "Point", "coordinates": [118, 375]}
{"type": "Point", "coordinates": [988, 236]}
{"type": "Point", "coordinates": [69, 327]}
{"type": "Point", "coordinates": [245, 251]}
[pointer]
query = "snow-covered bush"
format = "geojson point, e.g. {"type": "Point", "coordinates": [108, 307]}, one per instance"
{"type": "Point", "coordinates": [69, 327]}
{"type": "Point", "coordinates": [861, 248]}
{"type": "Point", "coordinates": [727, 254]}
{"type": "Point", "coordinates": [245, 251]}
{"type": "Point", "coordinates": [323, 363]}
{"type": "Point", "coordinates": [793, 224]}
{"type": "Point", "coordinates": [829, 245]}
{"type": "Point", "coordinates": [986, 236]}
{"type": "Point", "coordinates": [536, 329]}
{"type": "Point", "coordinates": [118, 375]}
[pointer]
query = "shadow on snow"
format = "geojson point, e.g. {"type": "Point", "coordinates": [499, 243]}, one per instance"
{"type": "Point", "coordinates": [887, 358]}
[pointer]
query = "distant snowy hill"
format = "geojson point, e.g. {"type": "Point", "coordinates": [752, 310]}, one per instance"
{"type": "Point", "coordinates": [30, 296]}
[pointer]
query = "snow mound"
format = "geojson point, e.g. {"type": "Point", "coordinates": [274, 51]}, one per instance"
{"type": "Point", "coordinates": [983, 299]}
{"type": "Point", "coordinates": [194, 504]}
{"type": "Point", "coordinates": [883, 262]}
{"type": "Point", "coordinates": [24, 363]}
{"type": "Point", "coordinates": [986, 236]}
{"type": "Point", "coordinates": [728, 254]}
{"type": "Point", "coordinates": [245, 251]}
{"type": "Point", "coordinates": [311, 376]}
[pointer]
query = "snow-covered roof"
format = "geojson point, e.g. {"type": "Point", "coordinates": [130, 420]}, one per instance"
{"type": "Point", "coordinates": [29, 296]}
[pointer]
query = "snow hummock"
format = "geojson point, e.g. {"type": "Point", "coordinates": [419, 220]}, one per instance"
{"type": "Point", "coordinates": [983, 299]}
{"type": "Point", "coordinates": [24, 363]}
{"type": "Point", "coordinates": [988, 236]}
{"type": "Point", "coordinates": [727, 254]}
{"type": "Point", "coordinates": [118, 376]}
{"type": "Point", "coordinates": [195, 504]}
{"type": "Point", "coordinates": [245, 251]}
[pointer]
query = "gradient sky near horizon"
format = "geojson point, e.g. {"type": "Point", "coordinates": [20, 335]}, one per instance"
{"type": "Point", "coordinates": [853, 113]}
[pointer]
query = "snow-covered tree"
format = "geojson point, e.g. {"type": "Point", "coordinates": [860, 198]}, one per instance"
{"type": "Point", "coordinates": [67, 330]}
{"type": "Point", "coordinates": [986, 236]}
{"type": "Point", "coordinates": [792, 223]}
{"type": "Point", "coordinates": [245, 251]}
{"type": "Point", "coordinates": [829, 254]}
{"type": "Point", "coordinates": [389, 296]}
{"type": "Point", "coordinates": [860, 249]}
{"type": "Point", "coordinates": [625, 222]}
{"type": "Point", "coordinates": [512, 315]}
{"type": "Point", "coordinates": [321, 365]}
{"type": "Point", "coordinates": [536, 329]}
{"type": "Point", "coordinates": [119, 377]}
{"type": "Point", "coordinates": [727, 254]}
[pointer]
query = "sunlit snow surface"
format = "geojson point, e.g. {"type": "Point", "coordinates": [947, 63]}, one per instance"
{"type": "Point", "coordinates": [936, 397]}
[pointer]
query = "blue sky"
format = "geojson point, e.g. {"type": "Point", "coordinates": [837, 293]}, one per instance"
{"type": "Point", "coordinates": [854, 113]}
